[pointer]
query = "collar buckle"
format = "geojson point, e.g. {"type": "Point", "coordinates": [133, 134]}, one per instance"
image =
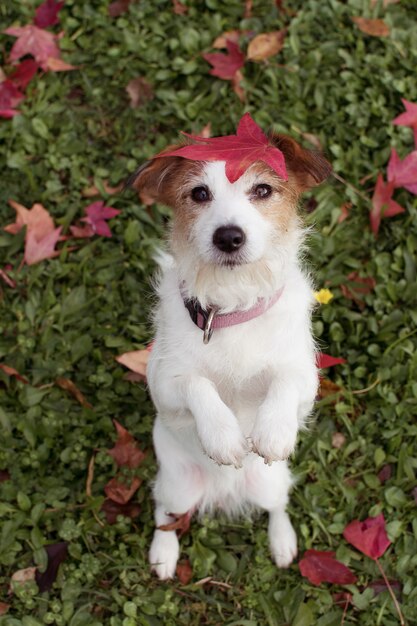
{"type": "Point", "coordinates": [208, 330]}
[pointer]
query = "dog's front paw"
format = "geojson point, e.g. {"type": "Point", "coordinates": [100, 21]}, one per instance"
{"type": "Point", "coordinates": [282, 539]}
{"type": "Point", "coordinates": [164, 553]}
{"type": "Point", "coordinates": [226, 444]}
{"type": "Point", "coordinates": [275, 443]}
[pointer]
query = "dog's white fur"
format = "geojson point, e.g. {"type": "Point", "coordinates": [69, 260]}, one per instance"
{"type": "Point", "coordinates": [229, 411]}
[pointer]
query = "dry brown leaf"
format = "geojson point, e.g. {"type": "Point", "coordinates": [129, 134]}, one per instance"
{"type": "Point", "coordinates": [344, 212]}
{"type": "Point", "coordinates": [266, 45]}
{"type": "Point", "coordinates": [229, 35]}
{"type": "Point", "coordinates": [135, 361]}
{"type": "Point", "coordinates": [239, 91]}
{"type": "Point", "coordinates": [69, 386]}
{"type": "Point", "coordinates": [90, 192]}
{"type": "Point", "coordinates": [385, 4]}
{"type": "Point", "coordinates": [10, 371]}
{"type": "Point", "coordinates": [139, 91]}
{"type": "Point", "coordinates": [373, 27]}
{"type": "Point", "coordinates": [179, 8]}
{"type": "Point", "coordinates": [181, 523]}
{"type": "Point", "coordinates": [338, 440]}
{"type": "Point", "coordinates": [126, 451]}
{"type": "Point", "coordinates": [121, 492]}
{"type": "Point", "coordinates": [184, 572]}
{"type": "Point", "coordinates": [328, 388]}
{"type": "Point", "coordinates": [24, 575]}
{"type": "Point", "coordinates": [5, 607]}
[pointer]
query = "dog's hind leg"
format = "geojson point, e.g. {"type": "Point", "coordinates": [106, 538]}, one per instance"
{"type": "Point", "coordinates": [178, 490]}
{"type": "Point", "coordinates": [268, 487]}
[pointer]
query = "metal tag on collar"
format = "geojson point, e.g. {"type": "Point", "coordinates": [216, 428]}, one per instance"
{"type": "Point", "coordinates": [208, 331]}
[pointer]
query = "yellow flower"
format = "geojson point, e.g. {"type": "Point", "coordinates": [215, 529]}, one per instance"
{"type": "Point", "coordinates": [323, 296]}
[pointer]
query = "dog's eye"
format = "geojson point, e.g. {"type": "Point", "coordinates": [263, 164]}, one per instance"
{"type": "Point", "coordinates": [263, 191]}
{"type": "Point", "coordinates": [200, 194]}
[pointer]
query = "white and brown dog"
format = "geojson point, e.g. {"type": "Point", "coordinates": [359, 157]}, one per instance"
{"type": "Point", "coordinates": [232, 372]}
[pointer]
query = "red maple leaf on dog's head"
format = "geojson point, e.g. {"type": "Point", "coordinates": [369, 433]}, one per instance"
{"type": "Point", "coordinates": [239, 151]}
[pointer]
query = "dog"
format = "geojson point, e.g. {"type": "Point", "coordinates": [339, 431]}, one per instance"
{"type": "Point", "coordinates": [232, 372]}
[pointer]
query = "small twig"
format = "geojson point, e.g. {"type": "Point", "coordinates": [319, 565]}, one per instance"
{"type": "Point", "coordinates": [90, 478]}
{"type": "Point", "coordinates": [390, 589]}
{"type": "Point", "coordinates": [210, 581]}
{"type": "Point", "coordinates": [357, 392]}
{"type": "Point", "coordinates": [348, 184]}
{"type": "Point", "coordinates": [345, 608]}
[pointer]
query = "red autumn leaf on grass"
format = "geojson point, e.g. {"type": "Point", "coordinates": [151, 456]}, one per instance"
{"type": "Point", "coordinates": [409, 118]}
{"type": "Point", "coordinates": [184, 572]}
{"type": "Point", "coordinates": [67, 385]}
{"type": "Point", "coordinates": [403, 173]}
{"type": "Point", "coordinates": [47, 13]}
{"type": "Point", "coordinates": [382, 203]}
{"type": "Point", "coordinates": [239, 151]}
{"type": "Point", "coordinates": [357, 287]}
{"type": "Point", "coordinates": [126, 451]}
{"type": "Point", "coordinates": [369, 536]}
{"type": "Point", "coordinates": [57, 553]}
{"type": "Point", "coordinates": [41, 234]}
{"type": "Point", "coordinates": [325, 360]}
{"type": "Point", "coordinates": [321, 567]}
{"type": "Point", "coordinates": [10, 98]}
{"type": "Point", "coordinates": [181, 523]}
{"type": "Point", "coordinates": [373, 27]}
{"type": "Point", "coordinates": [97, 214]}
{"type": "Point", "coordinates": [23, 73]}
{"type": "Point", "coordinates": [112, 509]}
{"type": "Point", "coordinates": [118, 7]}
{"type": "Point", "coordinates": [122, 492]}
{"type": "Point", "coordinates": [35, 41]}
{"type": "Point", "coordinates": [226, 65]}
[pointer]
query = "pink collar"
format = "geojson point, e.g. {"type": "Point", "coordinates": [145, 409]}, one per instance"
{"type": "Point", "coordinates": [209, 320]}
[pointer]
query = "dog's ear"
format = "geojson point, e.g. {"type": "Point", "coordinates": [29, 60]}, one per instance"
{"type": "Point", "coordinates": [154, 179]}
{"type": "Point", "coordinates": [308, 168]}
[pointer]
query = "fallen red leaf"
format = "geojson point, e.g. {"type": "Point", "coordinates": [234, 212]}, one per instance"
{"type": "Point", "coordinates": [47, 13]}
{"type": "Point", "coordinates": [57, 553]}
{"type": "Point", "coordinates": [121, 492]}
{"type": "Point", "coordinates": [321, 567]}
{"type": "Point", "coordinates": [409, 118]}
{"type": "Point", "coordinates": [184, 572]}
{"type": "Point", "coordinates": [385, 473]}
{"type": "Point", "coordinates": [344, 212]}
{"type": "Point", "coordinates": [10, 371]}
{"type": "Point", "coordinates": [226, 65]}
{"type": "Point", "coordinates": [39, 43]}
{"type": "Point", "coordinates": [112, 509]}
{"type": "Point", "coordinates": [81, 232]}
{"type": "Point", "coordinates": [369, 536]}
{"type": "Point", "coordinates": [373, 27]}
{"type": "Point", "coordinates": [357, 287]}
{"type": "Point", "coordinates": [126, 451]}
{"type": "Point", "coordinates": [179, 8]}
{"type": "Point", "coordinates": [4, 476]}
{"type": "Point", "coordinates": [23, 73]}
{"type": "Point", "coordinates": [58, 65]}
{"type": "Point", "coordinates": [325, 360]}
{"type": "Point", "coordinates": [97, 214]}
{"type": "Point", "coordinates": [382, 203]}
{"type": "Point", "coordinates": [239, 151]}
{"type": "Point", "coordinates": [10, 98]}
{"type": "Point", "coordinates": [4, 608]}
{"type": "Point", "coordinates": [403, 173]}
{"type": "Point", "coordinates": [37, 250]}
{"type": "Point", "coordinates": [118, 7]}
{"type": "Point", "coordinates": [181, 523]}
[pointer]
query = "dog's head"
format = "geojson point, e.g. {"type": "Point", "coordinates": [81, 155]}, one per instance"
{"type": "Point", "coordinates": [223, 225]}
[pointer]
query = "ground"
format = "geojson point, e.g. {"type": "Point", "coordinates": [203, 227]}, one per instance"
{"type": "Point", "coordinates": [70, 316]}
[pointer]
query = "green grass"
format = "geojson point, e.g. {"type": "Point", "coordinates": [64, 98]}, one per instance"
{"type": "Point", "coordinates": [72, 315]}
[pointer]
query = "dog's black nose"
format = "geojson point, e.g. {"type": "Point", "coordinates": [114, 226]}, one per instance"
{"type": "Point", "coordinates": [229, 238]}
